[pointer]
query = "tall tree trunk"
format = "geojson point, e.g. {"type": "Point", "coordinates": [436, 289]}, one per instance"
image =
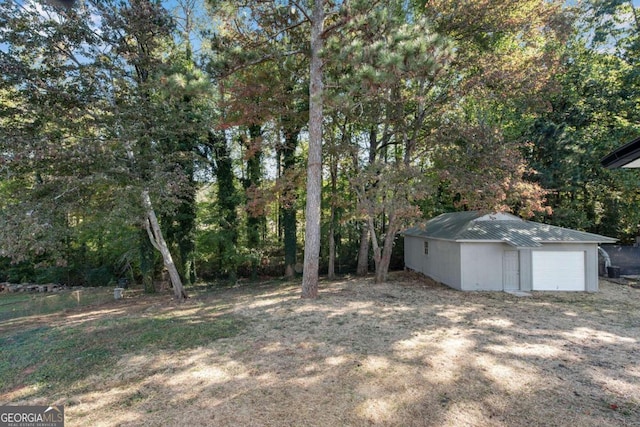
{"type": "Point", "coordinates": [289, 224]}
{"type": "Point", "coordinates": [187, 249]}
{"type": "Point", "coordinates": [377, 255]}
{"type": "Point", "coordinates": [157, 240]}
{"type": "Point", "coordinates": [226, 206]}
{"type": "Point", "coordinates": [363, 253]}
{"type": "Point", "coordinates": [387, 249]}
{"type": "Point", "coordinates": [255, 221]}
{"type": "Point", "coordinates": [635, 15]}
{"type": "Point", "coordinates": [179, 229]}
{"type": "Point", "coordinates": [331, 274]}
{"type": "Point", "coordinates": [288, 209]}
{"type": "Point", "coordinates": [314, 164]}
{"type": "Point", "coordinates": [332, 221]}
{"type": "Point", "coordinates": [382, 256]}
{"type": "Point", "coordinates": [366, 234]}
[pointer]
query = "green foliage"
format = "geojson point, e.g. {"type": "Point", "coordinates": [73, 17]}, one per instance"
{"type": "Point", "coordinates": [593, 113]}
{"type": "Point", "coordinates": [429, 107]}
{"type": "Point", "coordinates": [16, 272]}
{"type": "Point", "coordinates": [100, 105]}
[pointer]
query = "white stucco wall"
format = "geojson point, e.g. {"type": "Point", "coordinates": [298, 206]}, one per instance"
{"type": "Point", "coordinates": [482, 266]}
{"type": "Point", "coordinates": [413, 253]}
{"type": "Point", "coordinates": [441, 264]}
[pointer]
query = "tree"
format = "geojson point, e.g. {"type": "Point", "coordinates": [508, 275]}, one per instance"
{"type": "Point", "coordinates": [591, 114]}
{"type": "Point", "coordinates": [501, 77]}
{"type": "Point", "coordinates": [388, 74]}
{"type": "Point", "coordinates": [43, 113]}
{"type": "Point", "coordinates": [255, 210]}
{"type": "Point", "coordinates": [228, 202]}
{"type": "Point", "coordinates": [95, 87]}
{"type": "Point", "coordinates": [291, 128]}
{"type": "Point", "coordinates": [138, 31]}
{"type": "Point", "coordinates": [314, 161]}
{"type": "Point", "coordinates": [271, 25]}
{"type": "Point", "coordinates": [187, 95]}
{"type": "Point", "coordinates": [258, 59]}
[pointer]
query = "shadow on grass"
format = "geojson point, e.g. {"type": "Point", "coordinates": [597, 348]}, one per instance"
{"type": "Point", "coordinates": [51, 358]}
{"type": "Point", "coordinates": [394, 354]}
{"type": "Point", "coordinates": [403, 355]}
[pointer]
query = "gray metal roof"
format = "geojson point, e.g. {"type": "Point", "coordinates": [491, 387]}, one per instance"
{"type": "Point", "coordinates": [476, 226]}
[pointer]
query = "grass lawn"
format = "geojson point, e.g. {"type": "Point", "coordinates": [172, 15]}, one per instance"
{"type": "Point", "coordinates": [406, 353]}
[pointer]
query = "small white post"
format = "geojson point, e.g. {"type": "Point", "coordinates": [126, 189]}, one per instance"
{"type": "Point", "coordinates": [117, 293]}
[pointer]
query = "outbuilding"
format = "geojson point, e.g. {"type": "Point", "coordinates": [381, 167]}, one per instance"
{"type": "Point", "coordinates": [474, 251]}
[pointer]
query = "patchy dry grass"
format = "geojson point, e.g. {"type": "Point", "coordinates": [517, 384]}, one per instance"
{"type": "Point", "coordinates": [406, 353]}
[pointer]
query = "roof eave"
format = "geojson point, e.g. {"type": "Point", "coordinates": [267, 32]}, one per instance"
{"type": "Point", "coordinates": [536, 244]}
{"type": "Point", "coordinates": [623, 156]}
{"type": "Point", "coordinates": [580, 241]}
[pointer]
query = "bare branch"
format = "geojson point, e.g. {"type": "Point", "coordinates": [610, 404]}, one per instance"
{"type": "Point", "coordinates": [301, 9]}
{"type": "Point", "coordinates": [259, 61]}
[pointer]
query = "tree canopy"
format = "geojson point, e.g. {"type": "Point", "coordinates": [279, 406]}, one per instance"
{"type": "Point", "coordinates": [190, 127]}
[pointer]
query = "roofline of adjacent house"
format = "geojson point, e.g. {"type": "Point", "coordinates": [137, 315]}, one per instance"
{"type": "Point", "coordinates": [537, 241]}
{"type": "Point", "coordinates": [623, 155]}
{"type": "Point", "coordinates": [608, 240]}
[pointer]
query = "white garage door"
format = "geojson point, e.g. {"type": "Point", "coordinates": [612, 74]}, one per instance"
{"type": "Point", "coordinates": [558, 271]}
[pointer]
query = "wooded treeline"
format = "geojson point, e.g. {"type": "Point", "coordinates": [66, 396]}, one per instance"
{"type": "Point", "coordinates": [228, 139]}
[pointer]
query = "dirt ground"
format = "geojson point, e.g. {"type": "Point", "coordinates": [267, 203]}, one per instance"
{"type": "Point", "coordinates": [406, 353]}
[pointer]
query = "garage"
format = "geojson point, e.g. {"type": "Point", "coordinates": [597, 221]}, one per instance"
{"type": "Point", "coordinates": [558, 270]}
{"type": "Point", "coordinates": [476, 251]}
